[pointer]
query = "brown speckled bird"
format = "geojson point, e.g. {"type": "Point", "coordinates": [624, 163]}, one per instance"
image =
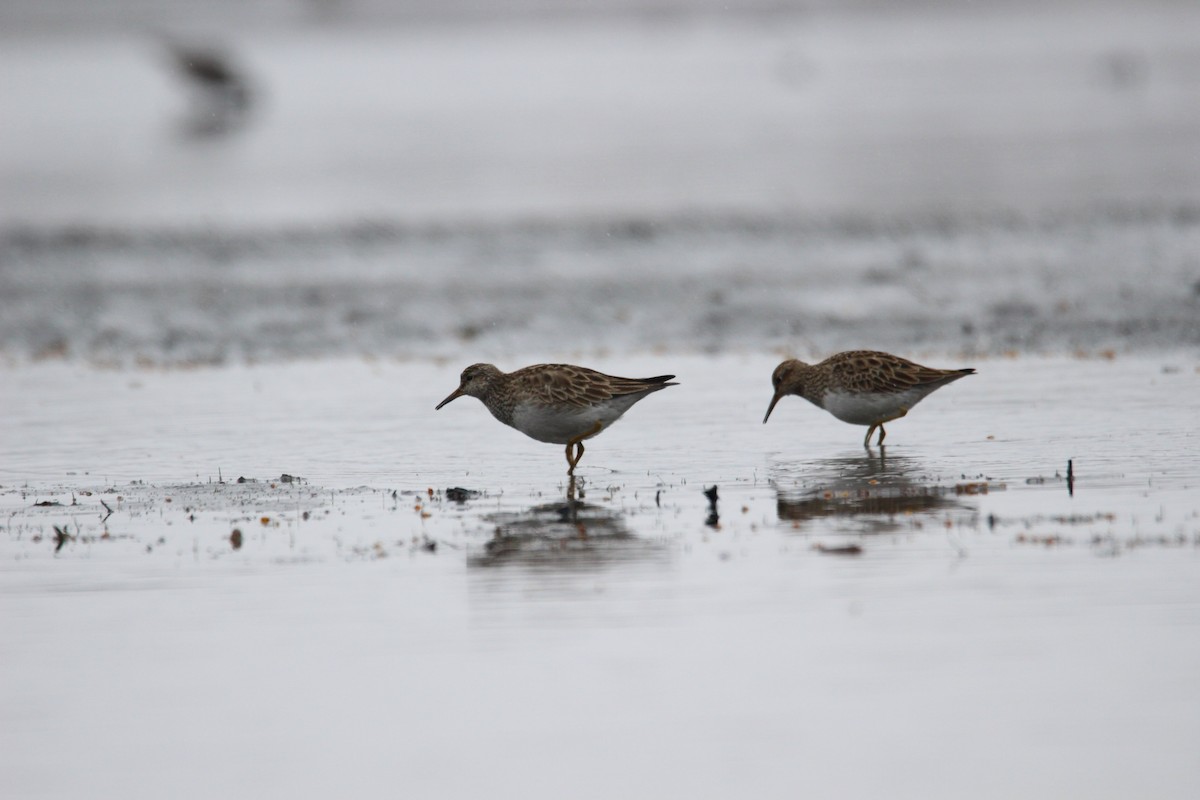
{"type": "Point", "coordinates": [556, 403]}
{"type": "Point", "coordinates": [862, 387]}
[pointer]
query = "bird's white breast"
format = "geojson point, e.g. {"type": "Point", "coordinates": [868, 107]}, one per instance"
{"type": "Point", "coordinates": [868, 409]}
{"type": "Point", "coordinates": [559, 425]}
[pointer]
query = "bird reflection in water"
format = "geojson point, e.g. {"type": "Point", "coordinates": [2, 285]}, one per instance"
{"type": "Point", "coordinates": [569, 533]}
{"type": "Point", "coordinates": [864, 494]}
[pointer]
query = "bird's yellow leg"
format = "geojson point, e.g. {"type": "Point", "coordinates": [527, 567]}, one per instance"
{"type": "Point", "coordinates": [882, 432]}
{"type": "Point", "coordinates": [578, 442]}
{"type": "Point", "coordinates": [870, 430]}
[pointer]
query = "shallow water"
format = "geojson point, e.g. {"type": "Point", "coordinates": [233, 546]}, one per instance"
{"type": "Point", "coordinates": [371, 632]}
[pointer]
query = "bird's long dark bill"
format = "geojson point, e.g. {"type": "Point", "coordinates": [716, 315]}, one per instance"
{"type": "Point", "coordinates": [453, 395]}
{"type": "Point", "coordinates": [771, 407]}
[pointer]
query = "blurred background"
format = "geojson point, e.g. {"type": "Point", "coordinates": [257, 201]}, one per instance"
{"type": "Point", "coordinates": [208, 183]}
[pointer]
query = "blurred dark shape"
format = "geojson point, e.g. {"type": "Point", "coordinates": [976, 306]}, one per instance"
{"type": "Point", "coordinates": [839, 549]}
{"type": "Point", "coordinates": [458, 494]}
{"type": "Point", "coordinates": [219, 89]}
{"type": "Point", "coordinates": [714, 519]}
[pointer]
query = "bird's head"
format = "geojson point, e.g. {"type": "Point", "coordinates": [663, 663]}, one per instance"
{"type": "Point", "coordinates": [788, 378]}
{"type": "Point", "coordinates": [474, 381]}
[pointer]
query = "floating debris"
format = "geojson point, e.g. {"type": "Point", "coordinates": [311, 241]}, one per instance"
{"type": "Point", "coordinates": [460, 495]}
{"type": "Point", "coordinates": [838, 549]}
{"type": "Point", "coordinates": [1046, 540]}
{"type": "Point", "coordinates": [714, 519]}
{"type": "Point", "coordinates": [61, 537]}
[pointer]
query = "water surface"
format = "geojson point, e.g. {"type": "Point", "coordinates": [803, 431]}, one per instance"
{"type": "Point", "coordinates": [371, 632]}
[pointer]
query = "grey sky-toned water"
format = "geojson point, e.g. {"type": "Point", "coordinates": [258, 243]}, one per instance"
{"type": "Point", "coordinates": [990, 616]}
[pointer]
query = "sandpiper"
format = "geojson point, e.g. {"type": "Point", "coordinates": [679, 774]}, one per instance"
{"type": "Point", "coordinates": [556, 403]}
{"type": "Point", "coordinates": [862, 387]}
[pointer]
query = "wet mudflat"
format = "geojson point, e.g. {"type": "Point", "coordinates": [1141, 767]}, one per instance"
{"type": "Point", "coordinates": [941, 618]}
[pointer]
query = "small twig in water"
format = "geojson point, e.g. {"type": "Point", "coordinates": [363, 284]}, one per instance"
{"type": "Point", "coordinates": [60, 537]}
{"type": "Point", "coordinates": [714, 519]}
